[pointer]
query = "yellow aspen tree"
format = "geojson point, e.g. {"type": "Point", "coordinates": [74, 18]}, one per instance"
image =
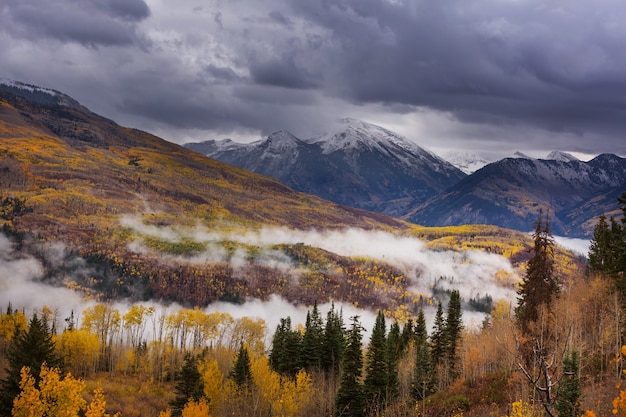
{"type": "Point", "coordinates": [166, 413]}
{"type": "Point", "coordinates": [196, 409]}
{"type": "Point", "coordinates": [54, 397]}
{"type": "Point", "coordinates": [213, 382]}
{"type": "Point", "coordinates": [97, 406]}
{"type": "Point", "coordinates": [80, 349]}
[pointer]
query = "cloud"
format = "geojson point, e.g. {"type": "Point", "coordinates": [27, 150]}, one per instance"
{"type": "Point", "coordinates": [89, 22]}
{"type": "Point", "coordinates": [483, 75]}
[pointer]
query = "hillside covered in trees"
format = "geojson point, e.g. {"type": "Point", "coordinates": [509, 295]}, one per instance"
{"type": "Point", "coordinates": [472, 320]}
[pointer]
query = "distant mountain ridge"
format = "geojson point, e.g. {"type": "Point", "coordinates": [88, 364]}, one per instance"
{"type": "Point", "coordinates": [366, 166]}
{"type": "Point", "coordinates": [509, 192]}
{"type": "Point", "coordinates": [359, 164]}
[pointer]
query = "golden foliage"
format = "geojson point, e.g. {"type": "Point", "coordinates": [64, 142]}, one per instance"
{"type": "Point", "coordinates": [55, 396]}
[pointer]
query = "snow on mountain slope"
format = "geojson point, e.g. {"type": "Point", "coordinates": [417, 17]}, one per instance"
{"type": "Point", "coordinates": [561, 156]}
{"type": "Point", "coordinates": [465, 161]}
{"type": "Point", "coordinates": [37, 94]}
{"type": "Point", "coordinates": [357, 164]}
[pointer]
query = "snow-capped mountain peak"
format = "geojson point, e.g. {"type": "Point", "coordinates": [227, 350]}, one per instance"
{"type": "Point", "coordinates": [465, 161]}
{"type": "Point", "coordinates": [561, 156]}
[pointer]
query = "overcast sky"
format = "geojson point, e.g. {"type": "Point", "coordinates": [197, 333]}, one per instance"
{"type": "Point", "coordinates": [478, 75]}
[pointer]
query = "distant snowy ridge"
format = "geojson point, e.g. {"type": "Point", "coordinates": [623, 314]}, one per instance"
{"type": "Point", "coordinates": [37, 94]}
{"type": "Point", "coordinates": [561, 156]}
{"type": "Point", "coordinates": [465, 161]}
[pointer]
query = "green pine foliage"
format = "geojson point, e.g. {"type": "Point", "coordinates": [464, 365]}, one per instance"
{"type": "Point", "coordinates": [285, 356]}
{"type": "Point", "coordinates": [568, 393]}
{"type": "Point", "coordinates": [241, 374]}
{"type": "Point", "coordinates": [375, 384]}
{"type": "Point", "coordinates": [312, 340]}
{"type": "Point", "coordinates": [607, 253]}
{"type": "Point", "coordinates": [189, 384]}
{"type": "Point", "coordinates": [452, 333]}
{"type": "Point", "coordinates": [31, 348]}
{"type": "Point", "coordinates": [394, 352]}
{"type": "Point", "coordinates": [333, 345]}
{"type": "Point", "coordinates": [350, 399]}
{"type": "Point", "coordinates": [423, 376]}
{"type": "Point", "coordinates": [540, 284]}
{"type": "Point", "coordinates": [438, 342]}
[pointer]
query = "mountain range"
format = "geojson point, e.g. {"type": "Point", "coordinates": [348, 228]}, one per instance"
{"type": "Point", "coordinates": [358, 164]}
{"type": "Point", "coordinates": [366, 166]}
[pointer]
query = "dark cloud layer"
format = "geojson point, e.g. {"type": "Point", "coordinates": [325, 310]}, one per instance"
{"type": "Point", "coordinates": [527, 74]}
{"type": "Point", "coordinates": [88, 22]}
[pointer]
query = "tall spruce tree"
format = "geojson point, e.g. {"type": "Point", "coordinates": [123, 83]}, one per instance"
{"type": "Point", "coordinates": [188, 386]}
{"type": "Point", "coordinates": [452, 333]}
{"type": "Point", "coordinates": [30, 348]}
{"type": "Point", "coordinates": [312, 340]}
{"type": "Point", "coordinates": [333, 343]}
{"type": "Point", "coordinates": [438, 338]}
{"type": "Point", "coordinates": [350, 400]}
{"type": "Point", "coordinates": [394, 352]}
{"type": "Point", "coordinates": [241, 374]}
{"type": "Point", "coordinates": [540, 284]}
{"type": "Point", "coordinates": [607, 252]}
{"type": "Point", "coordinates": [377, 374]}
{"type": "Point", "coordinates": [423, 377]}
{"type": "Point", "coordinates": [285, 354]}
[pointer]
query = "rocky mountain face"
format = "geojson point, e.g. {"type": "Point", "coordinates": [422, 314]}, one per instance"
{"type": "Point", "coordinates": [509, 192]}
{"type": "Point", "coordinates": [358, 164]}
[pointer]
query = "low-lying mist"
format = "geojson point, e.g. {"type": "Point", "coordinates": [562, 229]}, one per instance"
{"type": "Point", "coordinates": [473, 273]}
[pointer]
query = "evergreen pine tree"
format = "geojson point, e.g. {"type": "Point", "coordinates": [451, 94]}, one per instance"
{"type": "Point", "coordinates": [312, 340]}
{"type": "Point", "coordinates": [31, 348]}
{"type": "Point", "coordinates": [452, 332]}
{"type": "Point", "coordinates": [333, 343]}
{"type": "Point", "coordinates": [394, 351]}
{"type": "Point", "coordinates": [241, 373]}
{"type": "Point", "coordinates": [350, 400]}
{"type": "Point", "coordinates": [601, 256]}
{"type": "Point", "coordinates": [438, 341]}
{"type": "Point", "coordinates": [423, 378]}
{"type": "Point", "coordinates": [540, 285]}
{"type": "Point", "coordinates": [285, 355]}
{"type": "Point", "coordinates": [189, 385]}
{"type": "Point", "coordinates": [407, 334]}
{"type": "Point", "coordinates": [376, 378]}
{"type": "Point", "coordinates": [568, 393]}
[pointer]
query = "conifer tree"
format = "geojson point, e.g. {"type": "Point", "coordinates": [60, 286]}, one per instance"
{"type": "Point", "coordinates": [568, 393]}
{"type": "Point", "coordinates": [189, 386]}
{"type": "Point", "coordinates": [333, 343]}
{"type": "Point", "coordinates": [377, 376]}
{"type": "Point", "coordinates": [540, 284]}
{"type": "Point", "coordinates": [350, 400]}
{"type": "Point", "coordinates": [423, 377]}
{"type": "Point", "coordinates": [407, 334]}
{"type": "Point", "coordinates": [453, 329]}
{"type": "Point", "coordinates": [241, 374]}
{"type": "Point", "coordinates": [285, 355]}
{"type": "Point", "coordinates": [438, 342]}
{"type": "Point", "coordinates": [312, 340]}
{"type": "Point", "coordinates": [394, 351]}
{"type": "Point", "coordinates": [31, 348]}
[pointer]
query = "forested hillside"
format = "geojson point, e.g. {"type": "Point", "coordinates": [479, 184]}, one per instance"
{"type": "Point", "coordinates": [116, 245]}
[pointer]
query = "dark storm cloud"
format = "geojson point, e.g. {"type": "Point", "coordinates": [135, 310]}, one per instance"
{"type": "Point", "coordinates": [556, 64]}
{"type": "Point", "coordinates": [537, 73]}
{"type": "Point", "coordinates": [88, 22]}
{"type": "Point", "coordinates": [281, 73]}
